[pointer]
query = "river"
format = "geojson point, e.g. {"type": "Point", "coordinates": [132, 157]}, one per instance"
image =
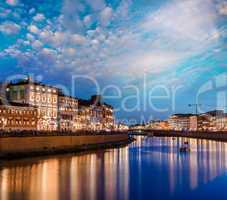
{"type": "Point", "coordinates": [149, 168]}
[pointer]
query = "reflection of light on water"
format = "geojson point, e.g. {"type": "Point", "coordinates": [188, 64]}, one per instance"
{"type": "Point", "coordinates": [124, 168]}
{"type": "Point", "coordinates": [106, 174]}
{"type": "Point", "coordinates": [4, 184]}
{"type": "Point", "coordinates": [110, 174]}
{"type": "Point", "coordinates": [206, 156]}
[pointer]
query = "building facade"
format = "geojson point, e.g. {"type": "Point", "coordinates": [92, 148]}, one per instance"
{"type": "Point", "coordinates": [67, 113]}
{"type": "Point", "coordinates": [57, 111]}
{"type": "Point", "coordinates": [42, 96]}
{"type": "Point", "coordinates": [18, 117]}
{"type": "Point", "coordinates": [179, 122]}
{"type": "Point", "coordinates": [158, 125]}
{"type": "Point", "coordinates": [93, 114]}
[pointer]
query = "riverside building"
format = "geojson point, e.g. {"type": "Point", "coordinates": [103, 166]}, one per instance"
{"type": "Point", "coordinates": [179, 122]}
{"type": "Point", "coordinates": [53, 110]}
{"type": "Point", "coordinates": [18, 117]}
{"type": "Point", "coordinates": [93, 114]}
{"type": "Point", "coordinates": [42, 96]}
{"type": "Point", "coordinates": [67, 113]}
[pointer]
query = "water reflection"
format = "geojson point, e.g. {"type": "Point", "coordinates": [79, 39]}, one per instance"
{"type": "Point", "coordinates": [149, 166]}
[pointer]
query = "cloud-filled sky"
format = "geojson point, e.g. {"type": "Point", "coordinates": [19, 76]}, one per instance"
{"type": "Point", "coordinates": [170, 46]}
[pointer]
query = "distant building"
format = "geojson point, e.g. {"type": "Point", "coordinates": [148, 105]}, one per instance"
{"type": "Point", "coordinates": [121, 127]}
{"type": "Point", "coordinates": [180, 121]}
{"type": "Point", "coordinates": [158, 125]}
{"type": "Point", "coordinates": [210, 121]}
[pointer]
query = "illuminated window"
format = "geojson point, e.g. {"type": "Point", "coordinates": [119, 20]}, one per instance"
{"type": "Point", "coordinates": [38, 98]}
{"type": "Point", "coordinates": [44, 99]}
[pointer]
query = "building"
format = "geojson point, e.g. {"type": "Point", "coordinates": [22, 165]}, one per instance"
{"type": "Point", "coordinates": [95, 115]}
{"type": "Point", "coordinates": [102, 117]}
{"type": "Point", "coordinates": [57, 111]}
{"type": "Point", "coordinates": [221, 122]}
{"type": "Point", "coordinates": [158, 125]}
{"type": "Point", "coordinates": [84, 115]}
{"type": "Point", "coordinates": [42, 96]}
{"type": "Point", "coordinates": [199, 122]}
{"type": "Point", "coordinates": [209, 121]}
{"type": "Point", "coordinates": [67, 113]}
{"type": "Point", "coordinates": [18, 117]}
{"type": "Point", "coordinates": [121, 127]}
{"type": "Point", "coordinates": [179, 122]}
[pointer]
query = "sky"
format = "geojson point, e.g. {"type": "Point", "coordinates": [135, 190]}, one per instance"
{"type": "Point", "coordinates": [148, 58]}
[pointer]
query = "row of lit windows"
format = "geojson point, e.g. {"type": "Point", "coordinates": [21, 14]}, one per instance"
{"type": "Point", "coordinates": [12, 111]}
{"type": "Point", "coordinates": [68, 102]}
{"type": "Point", "coordinates": [43, 89]}
{"type": "Point", "coordinates": [21, 122]}
{"type": "Point", "coordinates": [49, 114]}
{"type": "Point", "coordinates": [42, 98]}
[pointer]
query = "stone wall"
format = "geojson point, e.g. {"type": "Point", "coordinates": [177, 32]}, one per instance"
{"type": "Point", "coordinates": [36, 144]}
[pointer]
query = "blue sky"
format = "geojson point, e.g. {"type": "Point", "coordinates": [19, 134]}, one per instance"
{"type": "Point", "coordinates": [175, 47]}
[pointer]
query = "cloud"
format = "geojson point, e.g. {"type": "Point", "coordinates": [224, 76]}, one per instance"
{"type": "Point", "coordinates": [192, 20]}
{"type": "Point", "coordinates": [4, 12]}
{"type": "Point", "coordinates": [37, 44]}
{"type": "Point", "coordinates": [78, 39]}
{"type": "Point", "coordinates": [155, 43]}
{"type": "Point", "coordinates": [39, 17]}
{"type": "Point", "coordinates": [96, 5]}
{"type": "Point", "coordinates": [87, 20]}
{"type": "Point", "coordinates": [10, 28]}
{"type": "Point", "coordinates": [34, 29]}
{"type": "Point", "coordinates": [31, 11]}
{"type": "Point", "coordinates": [47, 57]}
{"type": "Point", "coordinates": [105, 16]}
{"type": "Point", "coordinates": [12, 2]}
{"type": "Point", "coordinates": [222, 8]}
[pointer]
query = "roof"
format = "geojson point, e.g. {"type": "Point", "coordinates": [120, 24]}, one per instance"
{"type": "Point", "coordinates": [83, 102]}
{"type": "Point", "coordinates": [61, 94]}
{"type": "Point", "coordinates": [215, 112]}
{"type": "Point", "coordinates": [182, 115]}
{"type": "Point", "coordinates": [28, 81]}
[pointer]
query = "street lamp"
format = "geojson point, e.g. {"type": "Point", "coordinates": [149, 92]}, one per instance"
{"type": "Point", "coordinates": [195, 106]}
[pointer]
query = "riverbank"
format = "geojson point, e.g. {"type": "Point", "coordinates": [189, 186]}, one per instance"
{"type": "Point", "coordinates": [217, 136]}
{"type": "Point", "coordinates": [29, 146]}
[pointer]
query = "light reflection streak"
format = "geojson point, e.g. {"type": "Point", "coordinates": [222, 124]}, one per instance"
{"type": "Point", "coordinates": [109, 174]}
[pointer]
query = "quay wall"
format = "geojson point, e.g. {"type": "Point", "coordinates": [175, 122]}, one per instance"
{"type": "Point", "coordinates": [41, 145]}
{"type": "Point", "coordinates": [219, 136]}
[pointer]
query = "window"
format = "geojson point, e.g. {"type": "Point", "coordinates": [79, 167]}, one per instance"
{"type": "Point", "coordinates": [54, 100]}
{"type": "Point", "coordinates": [43, 99]}
{"type": "Point", "coordinates": [38, 98]}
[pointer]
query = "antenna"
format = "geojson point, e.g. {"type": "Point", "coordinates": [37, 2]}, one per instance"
{"type": "Point", "coordinates": [195, 106]}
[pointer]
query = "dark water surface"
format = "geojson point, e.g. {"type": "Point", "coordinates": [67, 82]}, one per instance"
{"type": "Point", "coordinates": [150, 168]}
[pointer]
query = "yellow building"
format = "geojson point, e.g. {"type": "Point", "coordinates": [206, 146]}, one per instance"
{"type": "Point", "coordinates": [67, 113]}
{"type": "Point", "coordinates": [42, 96]}
{"type": "Point", "coordinates": [18, 117]}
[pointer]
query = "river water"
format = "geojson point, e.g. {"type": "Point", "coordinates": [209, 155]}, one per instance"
{"type": "Point", "coordinates": [150, 168]}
